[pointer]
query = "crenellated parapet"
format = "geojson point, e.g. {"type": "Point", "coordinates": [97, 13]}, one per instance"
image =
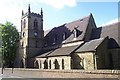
{"type": "Point", "coordinates": [29, 13]}
{"type": "Point", "coordinates": [35, 14]}
{"type": "Point", "coordinates": [32, 14]}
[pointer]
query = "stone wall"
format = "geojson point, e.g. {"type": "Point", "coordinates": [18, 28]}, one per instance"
{"type": "Point", "coordinates": [60, 62]}
{"type": "Point", "coordinates": [66, 62]}
{"type": "Point", "coordinates": [41, 62]}
{"type": "Point", "coordinates": [40, 73]}
{"type": "Point", "coordinates": [84, 61]}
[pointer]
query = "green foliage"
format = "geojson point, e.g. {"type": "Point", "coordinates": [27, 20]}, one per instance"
{"type": "Point", "coordinates": [10, 38]}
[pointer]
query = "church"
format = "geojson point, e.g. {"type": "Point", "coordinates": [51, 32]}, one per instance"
{"type": "Point", "coordinates": [79, 44]}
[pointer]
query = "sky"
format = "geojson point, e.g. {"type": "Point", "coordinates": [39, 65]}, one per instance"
{"type": "Point", "coordinates": [58, 12]}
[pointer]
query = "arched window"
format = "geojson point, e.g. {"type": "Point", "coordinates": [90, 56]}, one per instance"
{"type": "Point", "coordinates": [35, 23]}
{"type": "Point", "coordinates": [24, 24]}
{"type": "Point", "coordinates": [56, 64]}
{"type": "Point", "coordinates": [49, 64]}
{"type": "Point", "coordinates": [62, 63]}
{"type": "Point", "coordinates": [45, 64]}
{"type": "Point", "coordinates": [36, 64]}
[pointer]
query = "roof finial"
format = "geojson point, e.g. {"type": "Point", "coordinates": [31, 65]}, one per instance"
{"type": "Point", "coordinates": [41, 12]}
{"type": "Point", "coordinates": [29, 8]}
{"type": "Point", "coordinates": [22, 12]}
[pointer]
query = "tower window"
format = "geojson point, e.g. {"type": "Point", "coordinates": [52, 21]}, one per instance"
{"type": "Point", "coordinates": [64, 35]}
{"type": "Point", "coordinates": [24, 23]}
{"type": "Point", "coordinates": [75, 32]}
{"type": "Point", "coordinates": [23, 34]}
{"type": "Point", "coordinates": [22, 44]}
{"type": "Point", "coordinates": [35, 23]}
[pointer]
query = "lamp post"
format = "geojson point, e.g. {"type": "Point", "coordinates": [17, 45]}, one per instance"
{"type": "Point", "coordinates": [1, 52]}
{"type": "Point", "coordinates": [2, 61]}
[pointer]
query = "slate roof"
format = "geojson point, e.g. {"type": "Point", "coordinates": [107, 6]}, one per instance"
{"type": "Point", "coordinates": [63, 51]}
{"type": "Point", "coordinates": [108, 30]}
{"type": "Point", "coordinates": [57, 33]}
{"type": "Point", "coordinates": [97, 37]}
{"type": "Point", "coordinates": [81, 25]}
{"type": "Point", "coordinates": [91, 45]}
{"type": "Point", "coordinates": [67, 28]}
{"type": "Point", "coordinates": [45, 54]}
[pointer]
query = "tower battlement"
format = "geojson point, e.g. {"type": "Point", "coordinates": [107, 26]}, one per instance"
{"type": "Point", "coordinates": [36, 14]}
{"type": "Point", "coordinates": [29, 13]}
{"type": "Point", "coordinates": [32, 14]}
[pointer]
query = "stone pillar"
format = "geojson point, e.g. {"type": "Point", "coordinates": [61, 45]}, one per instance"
{"type": "Point", "coordinates": [52, 64]}
{"type": "Point", "coordinates": [42, 64]}
{"type": "Point", "coordinates": [67, 64]}
{"type": "Point", "coordinates": [60, 62]}
{"type": "Point", "coordinates": [49, 63]}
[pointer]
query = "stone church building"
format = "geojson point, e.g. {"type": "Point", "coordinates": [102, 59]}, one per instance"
{"type": "Point", "coordinates": [79, 44]}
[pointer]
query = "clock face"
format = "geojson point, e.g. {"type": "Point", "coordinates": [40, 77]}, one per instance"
{"type": "Point", "coordinates": [35, 34]}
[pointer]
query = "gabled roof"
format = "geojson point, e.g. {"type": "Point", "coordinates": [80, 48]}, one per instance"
{"type": "Point", "coordinates": [112, 31]}
{"type": "Point", "coordinates": [91, 45]}
{"type": "Point", "coordinates": [63, 51]}
{"type": "Point", "coordinates": [81, 25]}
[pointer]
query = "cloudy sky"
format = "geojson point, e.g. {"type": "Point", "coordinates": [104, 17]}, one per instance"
{"type": "Point", "coordinates": [58, 12]}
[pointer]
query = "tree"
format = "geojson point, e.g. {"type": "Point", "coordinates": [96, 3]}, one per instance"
{"type": "Point", "coordinates": [10, 38]}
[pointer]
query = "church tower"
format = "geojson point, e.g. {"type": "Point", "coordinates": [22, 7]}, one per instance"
{"type": "Point", "coordinates": [32, 35]}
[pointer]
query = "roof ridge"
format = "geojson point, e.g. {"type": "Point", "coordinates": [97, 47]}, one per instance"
{"type": "Point", "coordinates": [79, 19]}
{"type": "Point", "coordinates": [71, 21]}
{"type": "Point", "coordinates": [96, 39]}
{"type": "Point", "coordinates": [111, 24]}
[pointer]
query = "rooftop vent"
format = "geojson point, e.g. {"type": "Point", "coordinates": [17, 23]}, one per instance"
{"type": "Point", "coordinates": [81, 20]}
